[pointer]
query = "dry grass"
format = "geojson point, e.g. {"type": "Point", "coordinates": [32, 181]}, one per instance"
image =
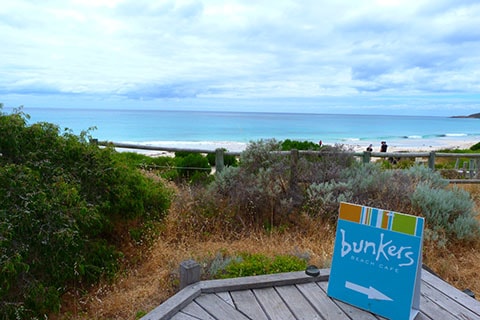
{"type": "Point", "coordinates": [143, 286]}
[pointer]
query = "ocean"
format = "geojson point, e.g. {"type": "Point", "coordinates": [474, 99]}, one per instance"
{"type": "Point", "coordinates": [234, 130]}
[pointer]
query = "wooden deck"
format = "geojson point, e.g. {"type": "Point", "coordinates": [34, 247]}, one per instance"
{"type": "Point", "coordinates": [295, 295]}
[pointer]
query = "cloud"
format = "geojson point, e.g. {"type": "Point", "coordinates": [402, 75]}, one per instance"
{"type": "Point", "coordinates": [192, 49]}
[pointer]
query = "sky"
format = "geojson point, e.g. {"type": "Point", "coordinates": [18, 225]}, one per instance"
{"type": "Point", "coordinates": [322, 56]}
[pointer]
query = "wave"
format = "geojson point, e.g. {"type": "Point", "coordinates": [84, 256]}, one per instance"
{"type": "Point", "coordinates": [456, 135]}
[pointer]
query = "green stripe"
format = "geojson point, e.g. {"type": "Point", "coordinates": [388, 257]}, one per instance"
{"type": "Point", "coordinates": [404, 223]}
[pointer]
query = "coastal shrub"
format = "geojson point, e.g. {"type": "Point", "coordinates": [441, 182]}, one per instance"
{"type": "Point", "coordinates": [259, 187]}
{"type": "Point", "coordinates": [228, 160]}
{"type": "Point", "coordinates": [370, 185]}
{"type": "Point", "coordinates": [163, 166]}
{"type": "Point", "coordinates": [193, 167]}
{"type": "Point", "coordinates": [64, 200]}
{"type": "Point", "coordinates": [137, 160]}
{"type": "Point", "coordinates": [267, 188]}
{"type": "Point", "coordinates": [475, 147]}
{"type": "Point", "coordinates": [448, 213]}
{"type": "Point", "coordinates": [288, 144]}
{"type": "Point", "coordinates": [258, 264]}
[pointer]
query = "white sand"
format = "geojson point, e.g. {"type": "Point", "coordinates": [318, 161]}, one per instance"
{"type": "Point", "coordinates": [432, 145]}
{"type": "Point", "coordinates": [411, 145]}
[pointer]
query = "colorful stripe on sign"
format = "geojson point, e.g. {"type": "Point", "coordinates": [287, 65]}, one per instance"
{"type": "Point", "coordinates": [383, 219]}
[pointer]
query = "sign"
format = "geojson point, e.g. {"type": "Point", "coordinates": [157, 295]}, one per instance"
{"type": "Point", "coordinates": [377, 261]}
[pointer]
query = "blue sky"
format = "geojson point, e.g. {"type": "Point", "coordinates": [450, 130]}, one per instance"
{"type": "Point", "coordinates": [372, 56]}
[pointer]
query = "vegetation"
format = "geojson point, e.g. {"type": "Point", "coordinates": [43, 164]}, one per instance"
{"type": "Point", "coordinates": [71, 211]}
{"type": "Point", "coordinates": [228, 160]}
{"type": "Point", "coordinates": [288, 144]}
{"type": "Point", "coordinates": [256, 264]}
{"type": "Point", "coordinates": [64, 202]}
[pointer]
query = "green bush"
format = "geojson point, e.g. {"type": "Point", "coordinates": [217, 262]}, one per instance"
{"type": "Point", "coordinates": [192, 167]}
{"type": "Point", "coordinates": [228, 160]}
{"type": "Point", "coordinates": [475, 147]}
{"type": "Point", "coordinates": [63, 199]}
{"type": "Point", "coordinates": [299, 145]}
{"type": "Point", "coordinates": [257, 264]}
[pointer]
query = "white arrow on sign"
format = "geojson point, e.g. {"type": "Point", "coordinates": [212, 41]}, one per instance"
{"type": "Point", "coordinates": [371, 292]}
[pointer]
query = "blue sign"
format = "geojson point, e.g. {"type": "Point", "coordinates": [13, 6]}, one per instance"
{"type": "Point", "coordinates": [376, 261]}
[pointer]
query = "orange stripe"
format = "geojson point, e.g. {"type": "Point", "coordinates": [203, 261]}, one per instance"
{"type": "Point", "coordinates": [350, 212]}
{"type": "Point", "coordinates": [385, 219]}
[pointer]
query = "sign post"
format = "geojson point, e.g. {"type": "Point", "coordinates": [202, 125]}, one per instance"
{"type": "Point", "coordinates": [377, 261]}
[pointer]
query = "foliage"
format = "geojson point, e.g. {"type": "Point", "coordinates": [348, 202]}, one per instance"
{"type": "Point", "coordinates": [259, 185]}
{"type": "Point", "coordinates": [288, 145]}
{"type": "Point", "coordinates": [263, 189]}
{"type": "Point", "coordinates": [63, 199]}
{"type": "Point", "coordinates": [192, 167]}
{"type": "Point", "coordinates": [228, 160]}
{"type": "Point", "coordinates": [165, 167]}
{"type": "Point", "coordinates": [257, 264]}
{"type": "Point", "coordinates": [448, 213]}
{"type": "Point", "coordinates": [417, 190]}
{"type": "Point", "coordinates": [475, 147]}
{"type": "Point", "coordinates": [266, 188]}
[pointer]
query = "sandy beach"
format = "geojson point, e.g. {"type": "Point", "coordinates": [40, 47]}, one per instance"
{"type": "Point", "coordinates": [432, 145]}
{"type": "Point", "coordinates": [411, 145]}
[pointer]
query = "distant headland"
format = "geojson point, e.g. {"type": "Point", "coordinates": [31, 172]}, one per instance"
{"type": "Point", "coordinates": [475, 115]}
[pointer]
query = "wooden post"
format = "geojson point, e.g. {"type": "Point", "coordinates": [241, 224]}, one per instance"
{"type": "Point", "coordinates": [457, 164]}
{"type": "Point", "coordinates": [189, 273]}
{"type": "Point", "coordinates": [431, 160]}
{"type": "Point", "coordinates": [471, 168]}
{"type": "Point", "coordinates": [293, 167]}
{"type": "Point", "coordinates": [219, 161]}
{"type": "Point", "coordinates": [366, 156]}
{"type": "Point", "coordinates": [477, 164]}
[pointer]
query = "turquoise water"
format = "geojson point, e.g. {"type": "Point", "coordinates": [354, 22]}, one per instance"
{"type": "Point", "coordinates": [160, 127]}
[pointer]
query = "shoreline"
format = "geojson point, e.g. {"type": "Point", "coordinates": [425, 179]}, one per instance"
{"type": "Point", "coordinates": [406, 145]}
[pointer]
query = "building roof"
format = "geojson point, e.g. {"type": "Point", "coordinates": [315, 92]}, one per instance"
{"type": "Point", "coordinates": [295, 295]}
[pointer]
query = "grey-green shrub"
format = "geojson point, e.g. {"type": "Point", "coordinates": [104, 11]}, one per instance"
{"type": "Point", "coordinates": [264, 188]}
{"type": "Point", "coordinates": [418, 190]}
{"type": "Point", "coordinates": [322, 199]}
{"type": "Point", "coordinates": [450, 212]}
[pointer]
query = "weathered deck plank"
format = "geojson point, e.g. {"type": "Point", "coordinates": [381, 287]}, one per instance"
{"type": "Point", "coordinates": [323, 304]}
{"type": "Point", "coordinates": [193, 309]}
{"type": "Point", "coordinates": [247, 303]}
{"type": "Point", "coordinates": [297, 303]}
{"type": "Point", "coordinates": [443, 301]}
{"type": "Point", "coordinates": [433, 310]}
{"type": "Point", "coordinates": [298, 296]}
{"type": "Point", "coordinates": [273, 304]}
{"type": "Point", "coordinates": [225, 296]}
{"type": "Point", "coordinates": [183, 316]}
{"type": "Point", "coordinates": [219, 308]}
{"type": "Point", "coordinates": [457, 295]}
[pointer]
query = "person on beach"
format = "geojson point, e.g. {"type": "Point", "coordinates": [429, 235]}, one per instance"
{"type": "Point", "coordinates": [370, 148]}
{"type": "Point", "coordinates": [383, 147]}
